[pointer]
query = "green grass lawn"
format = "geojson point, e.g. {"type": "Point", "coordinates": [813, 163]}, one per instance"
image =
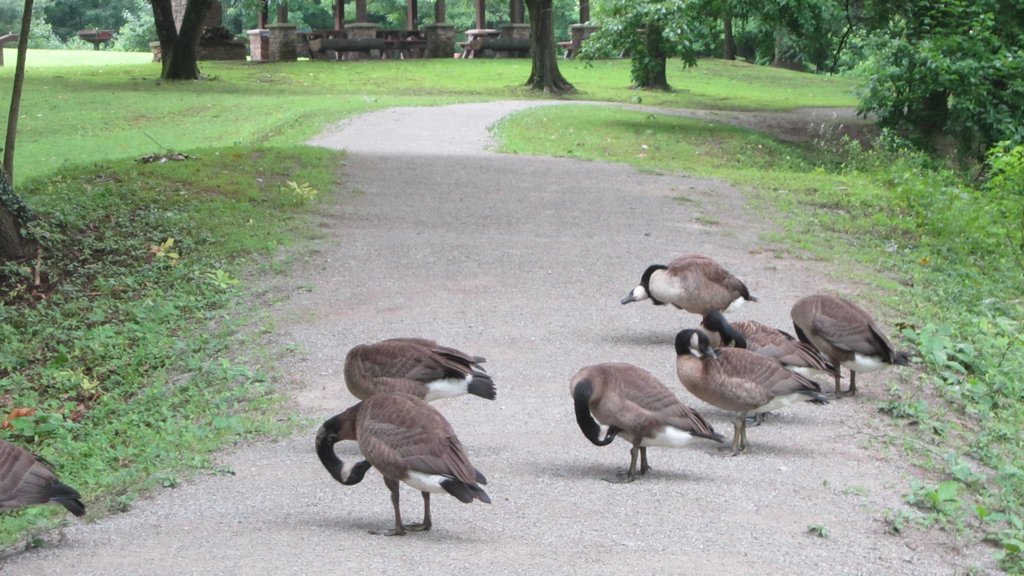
{"type": "Point", "coordinates": [81, 114]}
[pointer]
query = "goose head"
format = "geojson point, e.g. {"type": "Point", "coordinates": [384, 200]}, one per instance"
{"type": "Point", "coordinates": [334, 430]}
{"type": "Point", "coordinates": [643, 289]}
{"type": "Point", "coordinates": [694, 343]}
{"type": "Point", "coordinates": [715, 322]}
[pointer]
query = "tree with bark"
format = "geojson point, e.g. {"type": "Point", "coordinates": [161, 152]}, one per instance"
{"type": "Point", "coordinates": [179, 46]}
{"type": "Point", "coordinates": [651, 32]}
{"type": "Point", "coordinates": [14, 214]}
{"type": "Point", "coordinates": [545, 75]}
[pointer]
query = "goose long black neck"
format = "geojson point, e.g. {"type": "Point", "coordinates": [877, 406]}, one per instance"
{"type": "Point", "coordinates": [714, 321]}
{"type": "Point", "coordinates": [327, 436]}
{"type": "Point", "coordinates": [591, 429]}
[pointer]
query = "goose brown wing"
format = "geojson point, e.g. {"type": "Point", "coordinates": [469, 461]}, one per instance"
{"type": "Point", "coordinates": [26, 479]}
{"type": "Point", "coordinates": [400, 433]}
{"type": "Point", "coordinates": [782, 346]}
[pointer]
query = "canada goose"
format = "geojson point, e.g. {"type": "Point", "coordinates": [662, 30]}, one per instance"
{"type": "Point", "coordinates": [693, 283]}
{"type": "Point", "coordinates": [406, 440]}
{"type": "Point", "coordinates": [27, 479]}
{"type": "Point", "coordinates": [634, 404]}
{"type": "Point", "coordinates": [415, 366]}
{"type": "Point", "coordinates": [846, 335]}
{"type": "Point", "coordinates": [795, 355]}
{"type": "Point", "coordinates": [738, 380]}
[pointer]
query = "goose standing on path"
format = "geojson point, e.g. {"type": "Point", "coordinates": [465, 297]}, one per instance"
{"type": "Point", "coordinates": [693, 283]}
{"type": "Point", "coordinates": [407, 441]}
{"type": "Point", "coordinates": [765, 340]}
{"type": "Point", "coordinates": [415, 366]}
{"type": "Point", "coordinates": [26, 479]}
{"type": "Point", "coordinates": [634, 404]}
{"type": "Point", "coordinates": [739, 381]}
{"type": "Point", "coordinates": [846, 335]}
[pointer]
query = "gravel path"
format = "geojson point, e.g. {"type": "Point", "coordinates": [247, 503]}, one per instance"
{"type": "Point", "coordinates": [523, 260]}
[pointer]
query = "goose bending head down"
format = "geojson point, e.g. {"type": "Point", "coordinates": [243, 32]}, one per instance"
{"type": "Point", "coordinates": [635, 405]}
{"type": "Point", "coordinates": [408, 441]}
{"type": "Point", "coordinates": [846, 334]}
{"type": "Point", "coordinates": [26, 479]}
{"type": "Point", "coordinates": [415, 366]}
{"type": "Point", "coordinates": [739, 381]}
{"type": "Point", "coordinates": [693, 283]}
{"type": "Point", "coordinates": [767, 341]}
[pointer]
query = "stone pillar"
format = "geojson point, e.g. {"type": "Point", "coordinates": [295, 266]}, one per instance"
{"type": "Point", "coordinates": [578, 33]}
{"type": "Point", "coordinates": [259, 44]}
{"type": "Point", "coordinates": [514, 31]}
{"type": "Point", "coordinates": [359, 31]}
{"type": "Point", "coordinates": [282, 44]}
{"type": "Point", "coordinates": [440, 40]}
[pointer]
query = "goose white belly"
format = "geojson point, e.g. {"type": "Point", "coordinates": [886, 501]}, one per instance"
{"type": "Point", "coordinates": [782, 401]}
{"type": "Point", "coordinates": [864, 363]}
{"type": "Point", "coordinates": [667, 437]}
{"type": "Point", "coordinates": [425, 482]}
{"type": "Point", "coordinates": [447, 388]}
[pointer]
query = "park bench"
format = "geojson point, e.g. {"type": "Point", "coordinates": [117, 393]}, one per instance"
{"type": "Point", "coordinates": [318, 47]}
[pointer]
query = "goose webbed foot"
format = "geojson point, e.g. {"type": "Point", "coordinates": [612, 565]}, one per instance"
{"type": "Point", "coordinates": [621, 478]}
{"type": "Point", "coordinates": [421, 527]}
{"type": "Point", "coordinates": [388, 532]}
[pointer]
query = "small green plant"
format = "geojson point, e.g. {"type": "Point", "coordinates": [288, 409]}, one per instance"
{"type": "Point", "coordinates": [819, 530]}
{"type": "Point", "coordinates": [299, 193]}
{"type": "Point", "coordinates": [221, 279]}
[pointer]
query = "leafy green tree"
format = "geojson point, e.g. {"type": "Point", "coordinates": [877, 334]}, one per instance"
{"type": "Point", "coordinates": [953, 67]}
{"type": "Point", "coordinates": [650, 31]}
{"type": "Point", "coordinates": [67, 17]}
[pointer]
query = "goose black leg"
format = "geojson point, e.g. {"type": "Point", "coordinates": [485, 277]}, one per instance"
{"type": "Point", "coordinates": [426, 524]}
{"type": "Point", "coordinates": [399, 528]}
{"type": "Point", "coordinates": [644, 468]}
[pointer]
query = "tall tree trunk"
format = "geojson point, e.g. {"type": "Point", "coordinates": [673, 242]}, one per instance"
{"type": "Point", "coordinates": [653, 75]}
{"type": "Point", "coordinates": [178, 48]}
{"type": "Point", "coordinates": [13, 212]}
{"type": "Point", "coordinates": [19, 82]}
{"type": "Point", "coordinates": [729, 42]}
{"type": "Point", "coordinates": [779, 35]}
{"type": "Point", "coordinates": [545, 75]}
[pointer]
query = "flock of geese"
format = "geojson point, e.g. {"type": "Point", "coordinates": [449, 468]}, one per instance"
{"type": "Point", "coordinates": [745, 367]}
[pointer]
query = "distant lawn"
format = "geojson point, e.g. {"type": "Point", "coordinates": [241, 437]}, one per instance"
{"type": "Point", "coordinates": [104, 109]}
{"type": "Point", "coordinates": [49, 58]}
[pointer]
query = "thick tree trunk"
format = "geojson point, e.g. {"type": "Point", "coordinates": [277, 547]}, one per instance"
{"type": "Point", "coordinates": [13, 215]}
{"type": "Point", "coordinates": [545, 75]}
{"type": "Point", "coordinates": [729, 43]}
{"type": "Point", "coordinates": [178, 48]}
{"type": "Point", "coordinates": [654, 75]}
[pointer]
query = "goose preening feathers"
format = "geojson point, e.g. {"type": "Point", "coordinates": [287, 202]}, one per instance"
{"type": "Point", "coordinates": [846, 335]}
{"type": "Point", "coordinates": [407, 441]}
{"type": "Point", "coordinates": [635, 405]}
{"type": "Point", "coordinates": [415, 366]}
{"type": "Point", "coordinates": [738, 380]}
{"type": "Point", "coordinates": [26, 479]}
{"type": "Point", "coordinates": [795, 355]}
{"type": "Point", "coordinates": [693, 283]}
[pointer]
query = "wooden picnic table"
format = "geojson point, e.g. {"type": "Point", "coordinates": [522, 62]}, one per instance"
{"type": "Point", "coordinates": [474, 37]}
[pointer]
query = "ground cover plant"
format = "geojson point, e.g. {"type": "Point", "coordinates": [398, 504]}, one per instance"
{"type": "Point", "coordinates": [947, 251]}
{"type": "Point", "coordinates": [119, 364]}
{"type": "Point", "coordinates": [138, 256]}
